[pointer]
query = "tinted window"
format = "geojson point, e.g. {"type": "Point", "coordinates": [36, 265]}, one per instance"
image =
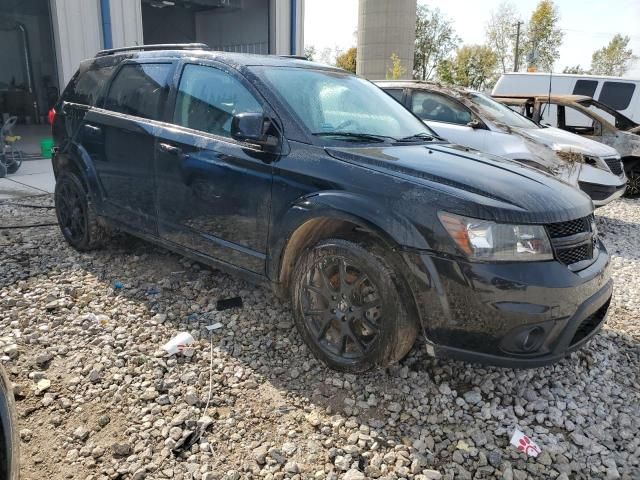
{"type": "Point", "coordinates": [208, 98]}
{"type": "Point", "coordinates": [431, 106]}
{"type": "Point", "coordinates": [395, 93]}
{"type": "Point", "coordinates": [139, 90]}
{"type": "Point", "coordinates": [585, 87]}
{"type": "Point", "coordinates": [617, 94]}
{"type": "Point", "coordinates": [85, 87]}
{"type": "Point", "coordinates": [331, 104]}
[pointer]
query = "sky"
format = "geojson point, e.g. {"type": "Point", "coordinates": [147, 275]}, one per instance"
{"type": "Point", "coordinates": [587, 24]}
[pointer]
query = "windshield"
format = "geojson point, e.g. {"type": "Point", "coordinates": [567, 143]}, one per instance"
{"type": "Point", "coordinates": [334, 104]}
{"type": "Point", "coordinates": [500, 112]}
{"type": "Point", "coordinates": [612, 116]}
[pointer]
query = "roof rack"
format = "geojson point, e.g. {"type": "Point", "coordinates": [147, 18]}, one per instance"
{"type": "Point", "coordinates": [163, 46]}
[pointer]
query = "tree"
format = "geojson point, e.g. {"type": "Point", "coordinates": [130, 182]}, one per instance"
{"type": "Point", "coordinates": [577, 70]}
{"type": "Point", "coordinates": [347, 60]}
{"type": "Point", "coordinates": [474, 66]}
{"type": "Point", "coordinates": [435, 40]}
{"type": "Point", "coordinates": [397, 70]}
{"type": "Point", "coordinates": [613, 59]}
{"type": "Point", "coordinates": [310, 52]}
{"type": "Point", "coordinates": [544, 37]}
{"type": "Point", "coordinates": [501, 31]}
{"type": "Point", "coordinates": [325, 56]}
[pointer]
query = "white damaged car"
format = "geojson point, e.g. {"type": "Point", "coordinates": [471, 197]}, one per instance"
{"type": "Point", "coordinates": [477, 121]}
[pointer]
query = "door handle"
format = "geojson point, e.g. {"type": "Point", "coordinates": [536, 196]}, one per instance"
{"type": "Point", "coordinates": [92, 128]}
{"type": "Point", "coordinates": [170, 149]}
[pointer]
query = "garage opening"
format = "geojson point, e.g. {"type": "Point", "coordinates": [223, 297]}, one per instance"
{"type": "Point", "coordinates": [28, 78]}
{"type": "Point", "coordinates": [227, 25]}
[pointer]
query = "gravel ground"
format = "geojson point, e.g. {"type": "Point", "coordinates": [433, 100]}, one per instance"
{"type": "Point", "coordinates": [98, 400]}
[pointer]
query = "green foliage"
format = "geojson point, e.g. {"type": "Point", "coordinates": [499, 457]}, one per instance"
{"type": "Point", "coordinates": [310, 52]}
{"type": "Point", "coordinates": [613, 59]}
{"type": "Point", "coordinates": [501, 31]}
{"type": "Point", "coordinates": [577, 69]}
{"type": "Point", "coordinates": [474, 66]}
{"type": "Point", "coordinates": [544, 37]}
{"type": "Point", "coordinates": [435, 40]}
{"type": "Point", "coordinates": [347, 60]}
{"type": "Point", "coordinates": [397, 70]}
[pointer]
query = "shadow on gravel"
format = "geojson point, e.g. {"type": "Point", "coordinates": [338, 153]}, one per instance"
{"type": "Point", "coordinates": [620, 237]}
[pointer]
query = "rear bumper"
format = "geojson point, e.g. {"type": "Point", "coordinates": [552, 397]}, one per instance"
{"type": "Point", "coordinates": [515, 315]}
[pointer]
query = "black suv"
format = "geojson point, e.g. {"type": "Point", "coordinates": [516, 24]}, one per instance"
{"type": "Point", "coordinates": [320, 184]}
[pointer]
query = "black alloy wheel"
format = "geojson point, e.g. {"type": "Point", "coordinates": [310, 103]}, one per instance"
{"type": "Point", "coordinates": [348, 309]}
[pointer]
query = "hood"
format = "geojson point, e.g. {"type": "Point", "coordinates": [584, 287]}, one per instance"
{"type": "Point", "coordinates": [561, 139]}
{"type": "Point", "coordinates": [490, 187]}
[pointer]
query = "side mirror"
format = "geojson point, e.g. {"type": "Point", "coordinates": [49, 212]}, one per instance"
{"type": "Point", "coordinates": [475, 124]}
{"type": "Point", "coordinates": [253, 128]}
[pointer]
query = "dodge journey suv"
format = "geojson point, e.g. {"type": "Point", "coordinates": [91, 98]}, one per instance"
{"type": "Point", "coordinates": [321, 185]}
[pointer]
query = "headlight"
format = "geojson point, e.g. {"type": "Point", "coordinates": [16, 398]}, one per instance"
{"type": "Point", "coordinates": [566, 153]}
{"type": "Point", "coordinates": [485, 240]}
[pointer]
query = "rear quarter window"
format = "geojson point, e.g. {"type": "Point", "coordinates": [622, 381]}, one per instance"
{"type": "Point", "coordinates": [617, 94]}
{"type": "Point", "coordinates": [85, 87]}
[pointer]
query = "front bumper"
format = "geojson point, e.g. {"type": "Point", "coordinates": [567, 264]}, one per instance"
{"type": "Point", "coordinates": [602, 194]}
{"type": "Point", "coordinates": [516, 315]}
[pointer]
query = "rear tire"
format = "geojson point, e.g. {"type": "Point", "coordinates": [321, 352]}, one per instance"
{"type": "Point", "coordinates": [348, 308]}
{"type": "Point", "coordinates": [9, 440]}
{"type": "Point", "coordinates": [76, 214]}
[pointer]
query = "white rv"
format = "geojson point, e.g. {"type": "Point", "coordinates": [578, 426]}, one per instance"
{"type": "Point", "coordinates": [622, 94]}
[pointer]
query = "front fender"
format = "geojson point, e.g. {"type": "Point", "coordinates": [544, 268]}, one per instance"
{"type": "Point", "coordinates": [394, 229]}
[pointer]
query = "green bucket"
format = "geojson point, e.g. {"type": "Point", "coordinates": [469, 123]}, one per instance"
{"type": "Point", "coordinates": [46, 144]}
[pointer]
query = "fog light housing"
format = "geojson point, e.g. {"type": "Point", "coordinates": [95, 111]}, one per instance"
{"type": "Point", "coordinates": [528, 339]}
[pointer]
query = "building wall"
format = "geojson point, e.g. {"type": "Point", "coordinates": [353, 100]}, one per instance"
{"type": "Point", "coordinates": [183, 25]}
{"type": "Point", "coordinates": [126, 22]}
{"type": "Point", "coordinates": [77, 33]}
{"type": "Point", "coordinates": [385, 28]}
{"type": "Point", "coordinates": [281, 27]}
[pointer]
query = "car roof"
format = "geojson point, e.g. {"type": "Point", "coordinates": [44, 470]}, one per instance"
{"type": "Point", "coordinates": [543, 97]}
{"type": "Point", "coordinates": [425, 85]}
{"type": "Point", "coordinates": [231, 58]}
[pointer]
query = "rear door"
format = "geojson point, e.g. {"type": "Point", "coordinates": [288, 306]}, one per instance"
{"type": "Point", "coordinates": [448, 118]}
{"type": "Point", "coordinates": [124, 130]}
{"type": "Point", "coordinates": [213, 193]}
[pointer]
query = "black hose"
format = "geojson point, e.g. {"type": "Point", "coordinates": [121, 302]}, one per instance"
{"type": "Point", "coordinates": [28, 205]}
{"type": "Point", "coordinates": [14, 227]}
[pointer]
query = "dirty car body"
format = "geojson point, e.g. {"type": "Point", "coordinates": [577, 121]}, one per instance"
{"type": "Point", "coordinates": [317, 183]}
{"type": "Point", "coordinates": [589, 118]}
{"type": "Point", "coordinates": [475, 120]}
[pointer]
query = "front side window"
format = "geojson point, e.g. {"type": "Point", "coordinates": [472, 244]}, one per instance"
{"type": "Point", "coordinates": [208, 98]}
{"type": "Point", "coordinates": [617, 94]}
{"type": "Point", "coordinates": [396, 93]}
{"type": "Point", "coordinates": [435, 107]}
{"type": "Point", "coordinates": [335, 103]}
{"type": "Point", "coordinates": [578, 122]}
{"type": "Point", "coordinates": [139, 90]}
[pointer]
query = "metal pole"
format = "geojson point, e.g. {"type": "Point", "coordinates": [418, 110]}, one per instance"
{"type": "Point", "coordinates": [517, 52]}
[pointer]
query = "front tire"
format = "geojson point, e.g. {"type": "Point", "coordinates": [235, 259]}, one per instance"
{"type": "Point", "coordinates": [76, 214]}
{"type": "Point", "coordinates": [348, 308]}
{"type": "Point", "coordinates": [633, 180]}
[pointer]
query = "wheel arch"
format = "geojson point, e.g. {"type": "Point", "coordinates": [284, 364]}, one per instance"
{"type": "Point", "coordinates": [331, 215]}
{"type": "Point", "coordinates": [76, 159]}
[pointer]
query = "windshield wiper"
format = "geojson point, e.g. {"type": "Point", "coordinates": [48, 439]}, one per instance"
{"type": "Point", "coordinates": [418, 137]}
{"type": "Point", "coordinates": [362, 136]}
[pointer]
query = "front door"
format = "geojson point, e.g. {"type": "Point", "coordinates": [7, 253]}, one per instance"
{"type": "Point", "coordinates": [125, 129]}
{"type": "Point", "coordinates": [213, 193]}
{"type": "Point", "coordinates": [448, 118]}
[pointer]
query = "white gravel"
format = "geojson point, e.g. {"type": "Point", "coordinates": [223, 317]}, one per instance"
{"type": "Point", "coordinates": [97, 399]}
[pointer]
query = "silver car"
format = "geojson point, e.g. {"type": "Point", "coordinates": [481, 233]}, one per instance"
{"type": "Point", "coordinates": [475, 120]}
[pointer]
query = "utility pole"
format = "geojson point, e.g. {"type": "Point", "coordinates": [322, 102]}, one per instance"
{"type": "Point", "coordinates": [517, 52]}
